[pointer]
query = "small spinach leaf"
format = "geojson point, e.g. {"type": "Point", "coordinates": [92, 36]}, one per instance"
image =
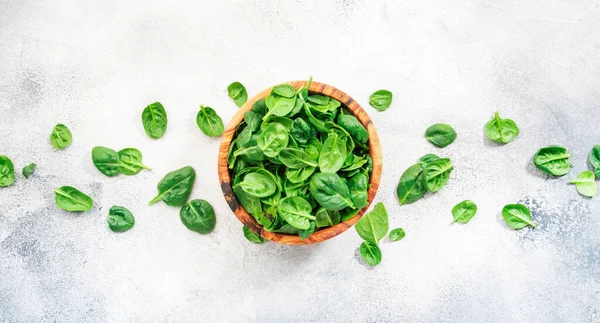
{"type": "Point", "coordinates": [253, 120]}
{"type": "Point", "coordinates": [295, 158]}
{"type": "Point", "coordinates": [71, 199]}
{"type": "Point", "coordinates": [586, 183]}
{"type": "Point", "coordinates": [7, 172]}
{"type": "Point", "coordinates": [238, 93]}
{"type": "Point", "coordinates": [209, 122]}
{"type": "Point", "coordinates": [61, 137]}
{"type": "Point", "coordinates": [374, 225]}
{"type": "Point", "coordinates": [501, 130]}
{"type": "Point", "coordinates": [440, 135]}
{"type": "Point", "coordinates": [381, 100]}
{"type": "Point", "coordinates": [120, 219]}
{"type": "Point", "coordinates": [426, 159]}
{"type": "Point", "coordinates": [252, 236]}
{"type": "Point", "coordinates": [273, 139]}
{"type": "Point", "coordinates": [517, 216]}
{"type": "Point", "coordinates": [28, 170]}
{"type": "Point", "coordinates": [154, 119]}
{"type": "Point", "coordinates": [397, 234]}
{"type": "Point", "coordinates": [437, 174]}
{"type": "Point", "coordinates": [302, 131]}
{"type": "Point", "coordinates": [175, 188]}
{"type": "Point", "coordinates": [334, 153]}
{"type": "Point", "coordinates": [326, 218]}
{"type": "Point", "coordinates": [464, 211]}
{"type": "Point", "coordinates": [106, 161]}
{"type": "Point", "coordinates": [412, 185]}
{"type": "Point", "coordinates": [370, 253]}
{"type": "Point", "coordinates": [130, 161]}
{"type": "Point", "coordinates": [258, 185]}
{"type": "Point", "coordinates": [351, 124]}
{"type": "Point", "coordinates": [358, 186]}
{"type": "Point", "coordinates": [307, 232]}
{"type": "Point", "coordinates": [553, 160]}
{"type": "Point", "coordinates": [198, 216]}
{"type": "Point", "coordinates": [296, 212]}
{"type": "Point", "coordinates": [284, 90]}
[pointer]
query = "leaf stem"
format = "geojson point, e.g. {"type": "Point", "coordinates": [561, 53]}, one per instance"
{"type": "Point", "coordinates": [156, 199]}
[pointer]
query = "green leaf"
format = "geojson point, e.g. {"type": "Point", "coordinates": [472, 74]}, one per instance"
{"type": "Point", "coordinates": [358, 185]}
{"type": "Point", "coordinates": [284, 90]}
{"type": "Point", "coordinates": [412, 185]}
{"type": "Point", "coordinates": [295, 158]}
{"type": "Point", "coordinates": [501, 130]}
{"type": "Point", "coordinates": [351, 124]}
{"type": "Point", "coordinates": [553, 160]}
{"type": "Point", "coordinates": [252, 236]}
{"type": "Point", "coordinates": [517, 216]}
{"type": "Point", "coordinates": [106, 161]}
{"type": "Point", "coordinates": [175, 188]}
{"type": "Point", "coordinates": [130, 161]}
{"type": "Point", "coordinates": [586, 183]}
{"type": "Point", "coordinates": [326, 218]}
{"type": "Point", "coordinates": [330, 191]}
{"type": "Point", "coordinates": [71, 199]}
{"type": "Point", "coordinates": [307, 232]}
{"type": "Point", "coordinates": [595, 159]}
{"type": "Point", "coordinates": [333, 154]}
{"type": "Point", "coordinates": [28, 170]}
{"type": "Point", "coordinates": [370, 253]}
{"type": "Point", "coordinates": [437, 174]}
{"type": "Point", "coordinates": [381, 100]}
{"type": "Point", "coordinates": [154, 119]}
{"type": "Point", "coordinates": [209, 122]}
{"type": "Point", "coordinates": [440, 135]}
{"type": "Point", "coordinates": [120, 219]}
{"type": "Point", "coordinates": [238, 93]}
{"type": "Point", "coordinates": [374, 225]}
{"type": "Point", "coordinates": [253, 120]}
{"type": "Point", "coordinates": [258, 185]}
{"type": "Point", "coordinates": [464, 211]}
{"type": "Point", "coordinates": [198, 216]}
{"type": "Point", "coordinates": [273, 139]}
{"type": "Point", "coordinates": [296, 211]}
{"type": "Point", "coordinates": [7, 172]}
{"type": "Point", "coordinates": [426, 159]}
{"type": "Point", "coordinates": [61, 137]}
{"type": "Point", "coordinates": [397, 234]}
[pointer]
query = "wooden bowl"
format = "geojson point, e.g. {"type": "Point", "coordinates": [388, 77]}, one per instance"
{"type": "Point", "coordinates": [320, 235]}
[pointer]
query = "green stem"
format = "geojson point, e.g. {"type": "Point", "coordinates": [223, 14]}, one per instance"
{"type": "Point", "coordinates": [156, 199]}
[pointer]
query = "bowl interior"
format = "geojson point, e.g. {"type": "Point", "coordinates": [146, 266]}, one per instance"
{"type": "Point", "coordinates": [320, 235]}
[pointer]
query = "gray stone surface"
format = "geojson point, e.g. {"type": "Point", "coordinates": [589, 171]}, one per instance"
{"type": "Point", "coordinates": [94, 65]}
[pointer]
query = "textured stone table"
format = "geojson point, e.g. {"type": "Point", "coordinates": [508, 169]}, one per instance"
{"type": "Point", "coordinates": [95, 66]}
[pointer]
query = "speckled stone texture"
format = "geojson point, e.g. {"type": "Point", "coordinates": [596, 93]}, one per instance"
{"type": "Point", "coordinates": [94, 65]}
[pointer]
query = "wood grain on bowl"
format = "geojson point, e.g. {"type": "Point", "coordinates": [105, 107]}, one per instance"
{"type": "Point", "coordinates": [320, 235]}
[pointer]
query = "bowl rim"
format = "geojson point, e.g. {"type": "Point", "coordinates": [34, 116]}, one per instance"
{"type": "Point", "coordinates": [317, 236]}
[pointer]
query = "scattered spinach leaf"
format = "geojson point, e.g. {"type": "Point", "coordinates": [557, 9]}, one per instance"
{"type": "Point", "coordinates": [440, 135]}
{"type": "Point", "coordinates": [437, 174]}
{"type": "Point", "coordinates": [464, 211]}
{"type": "Point", "coordinates": [175, 188]}
{"type": "Point", "coordinates": [397, 234]}
{"type": "Point", "coordinates": [130, 161]}
{"type": "Point", "coordinates": [209, 122]}
{"type": "Point", "coordinates": [374, 225]}
{"type": "Point", "coordinates": [517, 216]}
{"type": "Point", "coordinates": [501, 130]}
{"type": "Point", "coordinates": [61, 137]}
{"type": "Point", "coordinates": [553, 160]}
{"type": "Point", "coordinates": [595, 159]}
{"type": "Point", "coordinates": [381, 100]}
{"type": "Point", "coordinates": [586, 183]}
{"type": "Point", "coordinates": [198, 216]}
{"type": "Point", "coordinates": [370, 253]}
{"type": "Point", "coordinates": [120, 219]}
{"type": "Point", "coordinates": [7, 172]}
{"type": "Point", "coordinates": [154, 119]}
{"type": "Point", "coordinates": [28, 170]}
{"type": "Point", "coordinates": [412, 185]}
{"type": "Point", "coordinates": [71, 199]}
{"type": "Point", "coordinates": [238, 93]}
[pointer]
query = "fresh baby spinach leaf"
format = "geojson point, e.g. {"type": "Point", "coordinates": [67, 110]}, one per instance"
{"type": "Point", "coordinates": [252, 236]}
{"type": "Point", "coordinates": [120, 219]}
{"type": "Point", "coordinates": [381, 100]}
{"type": "Point", "coordinates": [258, 185]}
{"type": "Point", "coordinates": [517, 216]}
{"type": "Point", "coordinates": [553, 160]}
{"type": "Point", "coordinates": [71, 199]}
{"type": "Point", "coordinates": [501, 130]}
{"type": "Point", "coordinates": [397, 234]}
{"type": "Point", "coordinates": [273, 139]}
{"type": "Point", "coordinates": [209, 122]}
{"type": "Point", "coordinates": [106, 161]}
{"type": "Point", "coordinates": [412, 185]}
{"type": "Point", "coordinates": [154, 119]}
{"type": "Point", "coordinates": [374, 225]}
{"type": "Point", "coordinates": [370, 253]}
{"type": "Point", "coordinates": [296, 211]}
{"type": "Point", "coordinates": [61, 137]}
{"type": "Point", "coordinates": [7, 172]}
{"type": "Point", "coordinates": [440, 135]}
{"type": "Point", "coordinates": [175, 188]}
{"type": "Point", "coordinates": [198, 216]}
{"type": "Point", "coordinates": [330, 191]}
{"type": "Point", "coordinates": [334, 153]}
{"type": "Point", "coordinates": [437, 174]}
{"type": "Point", "coordinates": [130, 161]}
{"type": "Point", "coordinates": [464, 211]}
{"type": "Point", "coordinates": [586, 183]}
{"type": "Point", "coordinates": [595, 159]}
{"type": "Point", "coordinates": [238, 93]}
{"type": "Point", "coordinates": [326, 218]}
{"type": "Point", "coordinates": [29, 169]}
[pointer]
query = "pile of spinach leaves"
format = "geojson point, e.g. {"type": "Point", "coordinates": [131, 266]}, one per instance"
{"type": "Point", "coordinates": [300, 162]}
{"type": "Point", "coordinates": [430, 173]}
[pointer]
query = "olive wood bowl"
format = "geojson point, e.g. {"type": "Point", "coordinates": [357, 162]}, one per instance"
{"type": "Point", "coordinates": [320, 235]}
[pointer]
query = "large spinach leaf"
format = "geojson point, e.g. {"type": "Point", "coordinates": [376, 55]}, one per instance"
{"type": "Point", "coordinates": [501, 130]}
{"type": "Point", "coordinates": [7, 172]}
{"type": "Point", "coordinates": [381, 100]}
{"type": "Point", "coordinates": [412, 185]}
{"type": "Point", "coordinates": [296, 211]}
{"type": "Point", "coordinates": [334, 153]}
{"type": "Point", "coordinates": [175, 188]}
{"type": "Point", "coordinates": [437, 174]}
{"type": "Point", "coordinates": [71, 199]}
{"type": "Point", "coordinates": [61, 137]}
{"type": "Point", "coordinates": [273, 139]}
{"type": "Point", "coordinates": [330, 191]}
{"type": "Point", "coordinates": [120, 219]}
{"type": "Point", "coordinates": [586, 183]}
{"type": "Point", "coordinates": [464, 211]}
{"type": "Point", "coordinates": [440, 135]}
{"type": "Point", "coordinates": [198, 216]}
{"type": "Point", "coordinates": [209, 122]}
{"type": "Point", "coordinates": [374, 225]}
{"type": "Point", "coordinates": [154, 119]}
{"type": "Point", "coordinates": [517, 216]}
{"type": "Point", "coordinates": [553, 160]}
{"type": "Point", "coordinates": [238, 93]}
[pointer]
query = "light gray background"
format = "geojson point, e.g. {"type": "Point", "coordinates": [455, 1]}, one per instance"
{"type": "Point", "coordinates": [94, 65]}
